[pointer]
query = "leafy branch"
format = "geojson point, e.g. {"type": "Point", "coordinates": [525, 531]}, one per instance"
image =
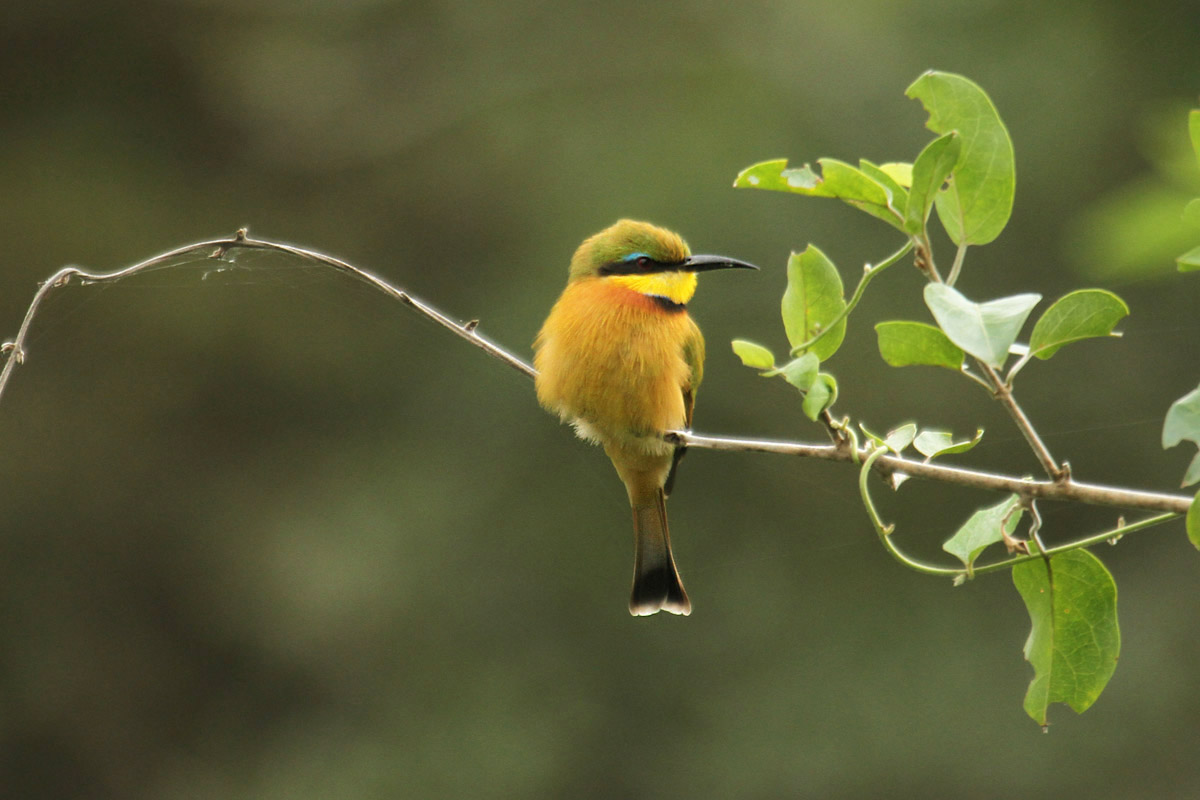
{"type": "Point", "coordinates": [967, 175]}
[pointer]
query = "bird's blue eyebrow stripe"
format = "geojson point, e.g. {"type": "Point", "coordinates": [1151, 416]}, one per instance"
{"type": "Point", "coordinates": [634, 256]}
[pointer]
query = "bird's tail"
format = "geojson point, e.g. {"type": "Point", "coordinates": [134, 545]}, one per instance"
{"type": "Point", "coordinates": [656, 583]}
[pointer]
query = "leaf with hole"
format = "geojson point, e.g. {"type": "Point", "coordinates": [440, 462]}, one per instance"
{"type": "Point", "coordinates": [976, 205]}
{"type": "Point", "coordinates": [985, 330]}
{"type": "Point", "coordinates": [837, 179]}
{"type": "Point", "coordinates": [774, 175]}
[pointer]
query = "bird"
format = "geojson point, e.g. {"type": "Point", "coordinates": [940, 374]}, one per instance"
{"type": "Point", "coordinates": [620, 359]}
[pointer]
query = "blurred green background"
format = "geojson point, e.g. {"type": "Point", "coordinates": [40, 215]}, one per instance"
{"type": "Point", "coordinates": [264, 534]}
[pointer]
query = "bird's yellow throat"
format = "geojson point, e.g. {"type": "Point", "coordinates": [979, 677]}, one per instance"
{"type": "Point", "coordinates": [678, 287]}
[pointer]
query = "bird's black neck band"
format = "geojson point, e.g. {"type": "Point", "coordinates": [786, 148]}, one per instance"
{"type": "Point", "coordinates": [667, 304]}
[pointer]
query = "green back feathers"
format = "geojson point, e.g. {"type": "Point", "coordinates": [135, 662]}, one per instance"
{"type": "Point", "coordinates": [627, 237]}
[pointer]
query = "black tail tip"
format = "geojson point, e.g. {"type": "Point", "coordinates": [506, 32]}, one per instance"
{"type": "Point", "coordinates": [658, 590]}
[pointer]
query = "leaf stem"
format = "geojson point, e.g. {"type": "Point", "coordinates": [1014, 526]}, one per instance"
{"type": "Point", "coordinates": [1017, 367]}
{"type": "Point", "coordinates": [956, 267]}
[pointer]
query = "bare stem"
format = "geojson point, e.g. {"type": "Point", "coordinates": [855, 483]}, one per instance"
{"type": "Point", "coordinates": [217, 248]}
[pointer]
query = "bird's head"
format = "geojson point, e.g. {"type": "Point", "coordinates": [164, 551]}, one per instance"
{"type": "Point", "coordinates": [647, 259]}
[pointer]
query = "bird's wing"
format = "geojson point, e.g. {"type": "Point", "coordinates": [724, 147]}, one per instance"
{"type": "Point", "coordinates": [693, 355]}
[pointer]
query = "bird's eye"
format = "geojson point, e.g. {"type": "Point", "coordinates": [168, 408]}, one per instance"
{"type": "Point", "coordinates": [643, 262]}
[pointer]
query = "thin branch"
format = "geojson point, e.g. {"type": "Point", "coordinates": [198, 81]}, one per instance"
{"type": "Point", "coordinates": [884, 464]}
{"type": "Point", "coordinates": [217, 249]}
{"type": "Point", "coordinates": [1073, 491]}
{"type": "Point", "coordinates": [1004, 394]}
{"type": "Point", "coordinates": [924, 257]}
{"type": "Point", "coordinates": [1001, 390]}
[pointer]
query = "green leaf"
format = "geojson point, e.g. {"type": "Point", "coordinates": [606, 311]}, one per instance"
{"type": "Point", "coordinates": [976, 206]}
{"type": "Point", "coordinates": [754, 355]}
{"type": "Point", "coordinates": [801, 372]}
{"type": "Point", "coordinates": [837, 179]}
{"type": "Point", "coordinates": [1189, 261]}
{"type": "Point", "coordinates": [929, 172]}
{"type": "Point", "coordinates": [814, 296]}
{"type": "Point", "coordinates": [855, 187]}
{"type": "Point", "coordinates": [932, 444]}
{"type": "Point", "coordinates": [874, 437]}
{"type": "Point", "coordinates": [901, 437]}
{"type": "Point", "coordinates": [903, 343]}
{"type": "Point", "coordinates": [820, 396]}
{"type": "Point", "coordinates": [1082, 314]}
{"type": "Point", "coordinates": [775, 176]}
{"type": "Point", "coordinates": [851, 184]}
{"type": "Point", "coordinates": [1074, 641]}
{"type": "Point", "coordinates": [985, 330]}
{"type": "Point", "coordinates": [1193, 472]}
{"type": "Point", "coordinates": [901, 172]}
{"type": "Point", "coordinates": [1183, 420]}
{"type": "Point", "coordinates": [985, 527]}
{"type": "Point", "coordinates": [1193, 519]}
{"type": "Point", "coordinates": [899, 195]}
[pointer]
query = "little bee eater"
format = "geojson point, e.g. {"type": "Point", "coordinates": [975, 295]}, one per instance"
{"type": "Point", "coordinates": [621, 360]}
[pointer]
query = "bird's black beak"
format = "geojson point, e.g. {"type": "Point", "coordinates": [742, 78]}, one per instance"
{"type": "Point", "coordinates": [705, 263]}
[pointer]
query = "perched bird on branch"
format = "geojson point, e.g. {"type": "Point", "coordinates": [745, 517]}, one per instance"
{"type": "Point", "coordinates": [620, 359]}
